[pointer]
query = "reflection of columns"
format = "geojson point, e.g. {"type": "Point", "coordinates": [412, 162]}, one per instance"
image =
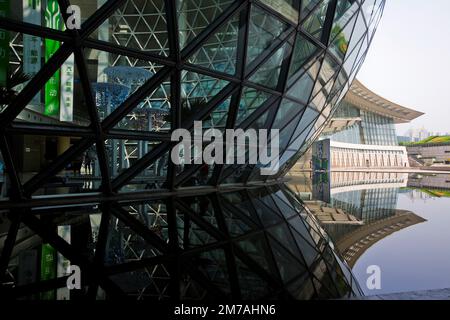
{"type": "Point", "coordinates": [122, 155]}
{"type": "Point", "coordinates": [182, 22]}
{"type": "Point", "coordinates": [114, 156]}
{"type": "Point", "coordinates": [141, 150]}
{"type": "Point", "coordinates": [96, 168]}
{"type": "Point", "coordinates": [103, 56]}
{"type": "Point", "coordinates": [63, 145]}
{"type": "Point", "coordinates": [143, 212]}
{"type": "Point", "coordinates": [150, 121]}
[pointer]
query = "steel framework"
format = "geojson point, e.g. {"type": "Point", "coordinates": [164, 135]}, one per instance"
{"type": "Point", "coordinates": [239, 64]}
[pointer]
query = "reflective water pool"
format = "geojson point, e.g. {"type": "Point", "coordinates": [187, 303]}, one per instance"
{"type": "Point", "coordinates": [397, 222]}
{"type": "Point", "coordinates": [416, 258]}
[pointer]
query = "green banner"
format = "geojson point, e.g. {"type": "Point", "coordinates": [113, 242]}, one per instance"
{"type": "Point", "coordinates": [4, 45]}
{"type": "Point", "coordinates": [48, 269]}
{"type": "Point", "coordinates": [52, 87]}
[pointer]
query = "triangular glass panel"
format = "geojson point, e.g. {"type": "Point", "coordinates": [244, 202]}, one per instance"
{"type": "Point", "coordinates": [287, 132]}
{"type": "Point", "coordinates": [152, 214]}
{"type": "Point", "coordinates": [340, 45]}
{"type": "Point", "coordinates": [287, 111]}
{"type": "Point", "coordinates": [203, 207]}
{"type": "Point", "coordinates": [286, 210]}
{"type": "Point", "coordinates": [267, 216]}
{"type": "Point", "coordinates": [201, 175]}
{"type": "Point", "coordinates": [359, 31]}
{"type": "Point", "coordinates": [136, 26]}
{"type": "Point", "coordinates": [251, 100]}
{"type": "Point", "coordinates": [304, 49]}
{"type": "Point", "coordinates": [239, 202]}
{"type": "Point", "coordinates": [233, 174]}
{"type": "Point", "coordinates": [213, 265]}
{"type": "Point", "coordinates": [344, 16]}
{"type": "Point", "coordinates": [191, 233]}
{"type": "Point", "coordinates": [124, 245]}
{"type": "Point", "coordinates": [252, 285]}
{"type": "Point", "coordinates": [351, 58]}
{"type": "Point", "coordinates": [307, 7]}
{"type": "Point", "coordinates": [369, 8]}
{"type": "Point", "coordinates": [256, 247]}
{"type": "Point", "coordinates": [195, 16]}
{"type": "Point", "coordinates": [154, 176]}
{"type": "Point", "coordinates": [150, 283]}
{"type": "Point", "coordinates": [219, 51]}
{"type": "Point", "coordinates": [330, 68]}
{"type": "Point", "coordinates": [264, 29]}
{"type": "Point", "coordinates": [299, 225]}
{"type": "Point", "coordinates": [375, 21]}
{"type": "Point", "coordinates": [268, 73]}
{"type": "Point", "coordinates": [325, 285]}
{"type": "Point", "coordinates": [314, 24]}
{"type": "Point", "coordinates": [152, 114]}
{"type": "Point", "coordinates": [196, 91]}
{"type": "Point", "coordinates": [218, 117]}
{"type": "Point", "coordinates": [288, 265]}
{"type": "Point", "coordinates": [236, 225]}
{"type": "Point", "coordinates": [288, 8]}
{"type": "Point", "coordinates": [262, 121]}
{"type": "Point", "coordinates": [298, 139]}
{"type": "Point", "coordinates": [302, 289]}
{"type": "Point", "coordinates": [301, 89]}
{"type": "Point", "coordinates": [116, 77]}
{"type": "Point", "coordinates": [283, 235]}
{"type": "Point", "coordinates": [319, 101]}
{"type": "Point", "coordinates": [237, 173]}
{"type": "Point", "coordinates": [309, 252]}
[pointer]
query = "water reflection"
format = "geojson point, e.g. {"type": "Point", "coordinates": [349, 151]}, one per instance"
{"type": "Point", "coordinates": [373, 218]}
{"type": "Point", "coordinates": [258, 243]}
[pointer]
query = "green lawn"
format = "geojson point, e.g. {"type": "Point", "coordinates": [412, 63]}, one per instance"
{"type": "Point", "coordinates": [437, 193]}
{"type": "Point", "coordinates": [434, 140]}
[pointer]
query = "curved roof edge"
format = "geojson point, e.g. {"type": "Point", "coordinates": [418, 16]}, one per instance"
{"type": "Point", "coordinates": [366, 99]}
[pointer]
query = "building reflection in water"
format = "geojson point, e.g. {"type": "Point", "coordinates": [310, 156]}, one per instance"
{"type": "Point", "coordinates": [357, 209]}
{"type": "Point", "coordinates": [258, 243]}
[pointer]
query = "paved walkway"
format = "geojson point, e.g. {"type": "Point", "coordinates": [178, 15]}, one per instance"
{"type": "Point", "coordinates": [443, 294]}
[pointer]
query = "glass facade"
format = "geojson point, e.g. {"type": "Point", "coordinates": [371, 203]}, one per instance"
{"type": "Point", "coordinates": [378, 130]}
{"type": "Point", "coordinates": [87, 115]}
{"type": "Point", "coordinates": [373, 129]}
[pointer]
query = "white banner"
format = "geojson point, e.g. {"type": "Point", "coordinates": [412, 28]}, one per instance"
{"type": "Point", "coordinates": [32, 52]}
{"type": "Point", "coordinates": [67, 90]}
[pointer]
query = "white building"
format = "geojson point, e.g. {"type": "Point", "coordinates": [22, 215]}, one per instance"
{"type": "Point", "coordinates": [362, 133]}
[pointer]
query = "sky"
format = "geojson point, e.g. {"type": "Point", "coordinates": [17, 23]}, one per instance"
{"type": "Point", "coordinates": [409, 61]}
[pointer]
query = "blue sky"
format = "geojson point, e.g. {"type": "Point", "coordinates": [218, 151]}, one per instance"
{"type": "Point", "coordinates": [409, 61]}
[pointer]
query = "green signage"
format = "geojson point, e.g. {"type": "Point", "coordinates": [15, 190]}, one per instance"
{"type": "Point", "coordinates": [52, 87]}
{"type": "Point", "coordinates": [4, 45]}
{"type": "Point", "coordinates": [48, 269]}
